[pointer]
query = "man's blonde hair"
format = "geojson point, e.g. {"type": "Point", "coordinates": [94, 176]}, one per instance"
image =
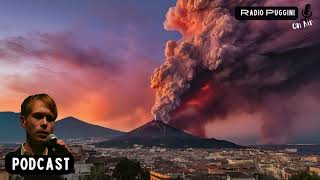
{"type": "Point", "coordinates": [27, 104]}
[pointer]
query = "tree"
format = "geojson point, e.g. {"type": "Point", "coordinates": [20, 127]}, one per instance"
{"type": "Point", "coordinates": [304, 176]}
{"type": "Point", "coordinates": [97, 172]}
{"type": "Point", "coordinates": [129, 170]}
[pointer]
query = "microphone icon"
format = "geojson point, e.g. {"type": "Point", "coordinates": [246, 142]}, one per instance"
{"type": "Point", "coordinates": [307, 12]}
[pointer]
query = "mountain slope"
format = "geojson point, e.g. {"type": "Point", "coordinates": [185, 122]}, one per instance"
{"type": "Point", "coordinates": [71, 127]}
{"type": "Point", "coordinates": [157, 133]}
{"type": "Point", "coordinates": [11, 131]}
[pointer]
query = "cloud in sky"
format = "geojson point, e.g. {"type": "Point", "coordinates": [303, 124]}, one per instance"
{"type": "Point", "coordinates": [87, 82]}
{"type": "Point", "coordinates": [94, 60]}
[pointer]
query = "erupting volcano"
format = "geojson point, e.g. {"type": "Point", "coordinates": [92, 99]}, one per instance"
{"type": "Point", "coordinates": [222, 66]}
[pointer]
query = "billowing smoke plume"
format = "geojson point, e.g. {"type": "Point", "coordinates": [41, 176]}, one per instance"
{"type": "Point", "coordinates": [221, 66]}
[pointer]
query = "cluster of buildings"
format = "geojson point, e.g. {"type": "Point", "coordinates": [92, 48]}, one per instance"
{"type": "Point", "coordinates": [218, 164]}
{"type": "Point", "coordinates": [162, 163]}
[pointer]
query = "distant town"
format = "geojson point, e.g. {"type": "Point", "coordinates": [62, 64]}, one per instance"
{"type": "Point", "coordinates": [190, 163]}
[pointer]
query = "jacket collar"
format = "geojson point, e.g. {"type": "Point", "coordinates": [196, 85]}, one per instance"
{"type": "Point", "coordinates": [24, 152]}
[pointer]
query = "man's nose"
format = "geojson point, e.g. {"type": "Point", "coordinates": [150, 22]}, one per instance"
{"type": "Point", "coordinates": [44, 122]}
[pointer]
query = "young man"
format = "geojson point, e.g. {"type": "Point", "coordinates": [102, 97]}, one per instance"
{"type": "Point", "coordinates": [38, 115]}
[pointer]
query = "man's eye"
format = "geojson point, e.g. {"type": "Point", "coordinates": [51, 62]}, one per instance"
{"type": "Point", "coordinates": [49, 118]}
{"type": "Point", "coordinates": [38, 116]}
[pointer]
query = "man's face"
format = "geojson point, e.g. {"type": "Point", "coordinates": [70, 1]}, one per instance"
{"type": "Point", "coordinates": [39, 123]}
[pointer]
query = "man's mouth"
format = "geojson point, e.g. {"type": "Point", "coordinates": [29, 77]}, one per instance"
{"type": "Point", "coordinates": [43, 133]}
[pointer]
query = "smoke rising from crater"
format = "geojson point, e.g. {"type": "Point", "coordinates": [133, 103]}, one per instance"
{"type": "Point", "coordinates": [221, 66]}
